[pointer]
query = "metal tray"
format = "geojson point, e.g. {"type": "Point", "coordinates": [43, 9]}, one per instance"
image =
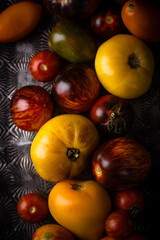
{"type": "Point", "coordinates": [17, 174]}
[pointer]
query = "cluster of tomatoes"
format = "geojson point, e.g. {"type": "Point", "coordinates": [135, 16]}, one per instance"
{"type": "Point", "coordinates": [90, 128]}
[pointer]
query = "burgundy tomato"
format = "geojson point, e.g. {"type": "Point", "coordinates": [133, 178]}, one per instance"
{"type": "Point", "coordinates": [44, 66]}
{"type": "Point", "coordinates": [121, 163]}
{"type": "Point", "coordinates": [136, 237]}
{"type": "Point", "coordinates": [120, 224]}
{"type": "Point", "coordinates": [131, 200]}
{"type": "Point", "coordinates": [71, 8]}
{"type": "Point", "coordinates": [107, 21]}
{"type": "Point", "coordinates": [32, 207]}
{"type": "Point", "coordinates": [75, 88]}
{"type": "Point", "coordinates": [113, 116]}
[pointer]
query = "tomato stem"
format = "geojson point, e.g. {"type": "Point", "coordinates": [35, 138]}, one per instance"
{"type": "Point", "coordinates": [73, 154]}
{"type": "Point", "coordinates": [77, 187]}
{"type": "Point", "coordinates": [134, 61]}
{"type": "Point", "coordinates": [131, 6]}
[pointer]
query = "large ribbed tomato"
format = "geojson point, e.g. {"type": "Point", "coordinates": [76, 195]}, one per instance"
{"type": "Point", "coordinates": [125, 66]}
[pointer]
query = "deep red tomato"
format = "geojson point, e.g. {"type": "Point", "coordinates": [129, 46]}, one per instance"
{"type": "Point", "coordinates": [107, 21]}
{"type": "Point", "coordinates": [131, 200]}
{"type": "Point", "coordinates": [120, 224]}
{"type": "Point", "coordinates": [44, 66]}
{"type": "Point", "coordinates": [113, 116]}
{"type": "Point", "coordinates": [32, 207]}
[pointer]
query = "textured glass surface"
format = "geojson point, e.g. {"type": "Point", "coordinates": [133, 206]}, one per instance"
{"type": "Point", "coordinates": [17, 173]}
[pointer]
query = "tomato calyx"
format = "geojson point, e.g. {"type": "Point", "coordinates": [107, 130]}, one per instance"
{"type": "Point", "coordinates": [73, 154]}
{"type": "Point", "coordinates": [77, 187]}
{"type": "Point", "coordinates": [131, 6]}
{"type": "Point", "coordinates": [32, 209]}
{"type": "Point", "coordinates": [43, 67]}
{"type": "Point", "coordinates": [134, 61]}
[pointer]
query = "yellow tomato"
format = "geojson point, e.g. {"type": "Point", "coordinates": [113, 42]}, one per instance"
{"type": "Point", "coordinates": [63, 146]}
{"type": "Point", "coordinates": [125, 66]}
{"type": "Point", "coordinates": [81, 207]}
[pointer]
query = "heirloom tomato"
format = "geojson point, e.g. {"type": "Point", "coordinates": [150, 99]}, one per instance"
{"type": "Point", "coordinates": [32, 207]}
{"type": "Point", "coordinates": [107, 21]}
{"type": "Point", "coordinates": [71, 8]}
{"type": "Point", "coordinates": [131, 200]}
{"type": "Point", "coordinates": [142, 19]}
{"type": "Point", "coordinates": [44, 66]}
{"type": "Point", "coordinates": [124, 65]}
{"type": "Point", "coordinates": [75, 88]}
{"type": "Point", "coordinates": [18, 20]}
{"type": "Point", "coordinates": [31, 106]}
{"type": "Point", "coordinates": [63, 146]}
{"type": "Point", "coordinates": [121, 163]}
{"type": "Point", "coordinates": [72, 41]}
{"type": "Point", "coordinates": [52, 232]}
{"type": "Point", "coordinates": [81, 207]}
{"type": "Point", "coordinates": [120, 224]}
{"type": "Point", "coordinates": [113, 116]}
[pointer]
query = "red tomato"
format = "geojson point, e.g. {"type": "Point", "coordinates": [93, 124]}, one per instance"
{"type": "Point", "coordinates": [32, 207]}
{"type": "Point", "coordinates": [131, 200]}
{"type": "Point", "coordinates": [108, 238]}
{"type": "Point", "coordinates": [44, 66]}
{"type": "Point", "coordinates": [120, 224]}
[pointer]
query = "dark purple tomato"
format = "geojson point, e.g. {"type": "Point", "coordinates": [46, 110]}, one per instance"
{"type": "Point", "coordinates": [107, 21]}
{"type": "Point", "coordinates": [71, 8]}
{"type": "Point", "coordinates": [113, 116]}
{"type": "Point", "coordinates": [75, 88]}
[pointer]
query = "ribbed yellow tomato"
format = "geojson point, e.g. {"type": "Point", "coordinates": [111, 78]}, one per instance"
{"type": "Point", "coordinates": [63, 146]}
{"type": "Point", "coordinates": [81, 207]}
{"type": "Point", "coordinates": [125, 66]}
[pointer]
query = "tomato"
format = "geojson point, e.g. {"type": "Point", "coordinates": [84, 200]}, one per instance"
{"type": "Point", "coordinates": [44, 66]}
{"type": "Point", "coordinates": [121, 163]}
{"type": "Point", "coordinates": [142, 19]}
{"type": "Point", "coordinates": [107, 21]}
{"type": "Point", "coordinates": [31, 106]}
{"type": "Point", "coordinates": [52, 232]}
{"type": "Point", "coordinates": [63, 146]}
{"type": "Point", "coordinates": [71, 9]}
{"type": "Point", "coordinates": [81, 207]}
{"type": "Point", "coordinates": [125, 65]}
{"type": "Point", "coordinates": [32, 207]}
{"type": "Point", "coordinates": [18, 20]}
{"type": "Point", "coordinates": [108, 238]}
{"type": "Point", "coordinates": [113, 116]}
{"type": "Point", "coordinates": [120, 224]}
{"type": "Point", "coordinates": [72, 41]}
{"type": "Point", "coordinates": [131, 200]}
{"type": "Point", "coordinates": [75, 88]}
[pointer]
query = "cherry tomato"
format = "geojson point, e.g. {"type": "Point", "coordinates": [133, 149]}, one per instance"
{"type": "Point", "coordinates": [120, 224]}
{"type": "Point", "coordinates": [32, 207]}
{"type": "Point", "coordinates": [131, 200]}
{"type": "Point", "coordinates": [44, 66]}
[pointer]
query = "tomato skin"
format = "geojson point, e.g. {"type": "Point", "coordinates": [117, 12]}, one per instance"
{"type": "Point", "coordinates": [44, 66]}
{"type": "Point", "coordinates": [23, 24]}
{"type": "Point", "coordinates": [32, 207]}
{"type": "Point", "coordinates": [142, 19]}
{"type": "Point", "coordinates": [113, 116]}
{"type": "Point", "coordinates": [52, 232]}
{"type": "Point", "coordinates": [119, 224]}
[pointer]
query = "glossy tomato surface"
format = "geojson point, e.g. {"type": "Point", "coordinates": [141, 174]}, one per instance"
{"type": "Point", "coordinates": [71, 8]}
{"type": "Point", "coordinates": [113, 116]}
{"type": "Point", "coordinates": [75, 88]}
{"type": "Point", "coordinates": [121, 163]}
{"type": "Point", "coordinates": [130, 200]}
{"type": "Point", "coordinates": [120, 224]}
{"type": "Point", "coordinates": [32, 207]}
{"type": "Point", "coordinates": [44, 66]}
{"type": "Point", "coordinates": [31, 106]}
{"type": "Point", "coordinates": [52, 232]}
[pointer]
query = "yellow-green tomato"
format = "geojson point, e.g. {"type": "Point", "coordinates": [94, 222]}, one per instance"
{"type": "Point", "coordinates": [125, 66]}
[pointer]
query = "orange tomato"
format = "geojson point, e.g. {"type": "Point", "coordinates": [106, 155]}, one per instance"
{"type": "Point", "coordinates": [81, 207]}
{"type": "Point", "coordinates": [19, 20]}
{"type": "Point", "coordinates": [142, 19]}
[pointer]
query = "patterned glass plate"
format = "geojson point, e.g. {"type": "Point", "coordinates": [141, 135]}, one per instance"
{"type": "Point", "coordinates": [17, 173]}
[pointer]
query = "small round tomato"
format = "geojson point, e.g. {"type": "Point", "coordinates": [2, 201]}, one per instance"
{"type": "Point", "coordinates": [44, 66]}
{"type": "Point", "coordinates": [120, 224]}
{"type": "Point", "coordinates": [131, 200]}
{"type": "Point", "coordinates": [32, 207]}
{"type": "Point", "coordinates": [113, 116]}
